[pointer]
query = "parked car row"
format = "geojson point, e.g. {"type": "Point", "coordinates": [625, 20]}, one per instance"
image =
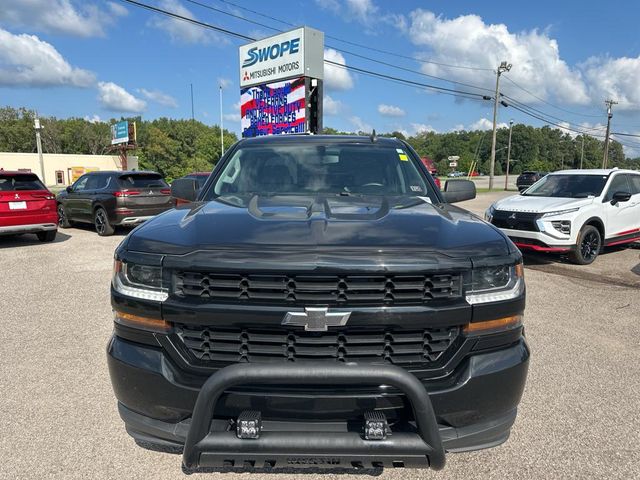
{"type": "Point", "coordinates": [105, 199]}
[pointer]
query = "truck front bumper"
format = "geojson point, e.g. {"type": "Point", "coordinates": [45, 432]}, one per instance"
{"type": "Point", "coordinates": [474, 408]}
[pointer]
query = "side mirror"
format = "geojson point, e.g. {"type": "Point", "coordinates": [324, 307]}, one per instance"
{"type": "Point", "coordinates": [185, 189]}
{"type": "Point", "coordinates": [69, 189]}
{"type": "Point", "coordinates": [620, 197]}
{"type": "Point", "coordinates": [459, 190]}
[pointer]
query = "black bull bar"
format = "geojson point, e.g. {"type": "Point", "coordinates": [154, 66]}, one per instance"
{"type": "Point", "coordinates": [205, 448]}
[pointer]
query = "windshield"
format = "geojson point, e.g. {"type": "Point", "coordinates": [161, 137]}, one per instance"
{"type": "Point", "coordinates": [311, 169]}
{"type": "Point", "coordinates": [568, 186]}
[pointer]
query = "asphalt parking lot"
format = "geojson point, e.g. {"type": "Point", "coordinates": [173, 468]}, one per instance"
{"type": "Point", "coordinates": [579, 417]}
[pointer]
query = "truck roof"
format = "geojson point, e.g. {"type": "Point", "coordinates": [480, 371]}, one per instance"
{"type": "Point", "coordinates": [318, 139]}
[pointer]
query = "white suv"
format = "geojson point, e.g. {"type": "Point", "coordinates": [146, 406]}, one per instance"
{"type": "Point", "coordinates": [577, 212]}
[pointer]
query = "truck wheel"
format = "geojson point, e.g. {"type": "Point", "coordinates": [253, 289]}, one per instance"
{"type": "Point", "coordinates": [588, 246]}
{"type": "Point", "coordinates": [101, 221]}
{"type": "Point", "coordinates": [48, 236]}
{"type": "Point", "coordinates": [63, 219]}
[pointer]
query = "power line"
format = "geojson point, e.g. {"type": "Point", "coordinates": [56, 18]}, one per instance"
{"type": "Point", "coordinates": [540, 112]}
{"type": "Point", "coordinates": [549, 103]}
{"type": "Point", "coordinates": [625, 134]}
{"type": "Point", "coordinates": [187, 19]}
{"type": "Point", "coordinates": [368, 47]}
{"type": "Point", "coordinates": [438, 88]}
{"type": "Point", "coordinates": [443, 90]}
{"type": "Point", "coordinates": [522, 104]}
{"type": "Point", "coordinates": [339, 49]}
{"type": "Point", "coordinates": [526, 112]}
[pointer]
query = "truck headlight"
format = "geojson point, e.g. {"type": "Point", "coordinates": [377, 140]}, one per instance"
{"type": "Point", "coordinates": [139, 281]}
{"type": "Point", "coordinates": [495, 284]}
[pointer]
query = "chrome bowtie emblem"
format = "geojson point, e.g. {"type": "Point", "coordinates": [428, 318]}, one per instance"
{"type": "Point", "coordinates": [316, 319]}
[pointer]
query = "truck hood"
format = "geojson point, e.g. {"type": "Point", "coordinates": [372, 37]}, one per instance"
{"type": "Point", "coordinates": [525, 203]}
{"type": "Point", "coordinates": [333, 223]}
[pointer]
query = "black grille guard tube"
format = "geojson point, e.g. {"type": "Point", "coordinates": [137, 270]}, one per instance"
{"type": "Point", "coordinates": [309, 374]}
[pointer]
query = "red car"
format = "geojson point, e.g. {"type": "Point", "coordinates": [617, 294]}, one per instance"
{"type": "Point", "coordinates": [27, 206]}
{"type": "Point", "coordinates": [427, 162]}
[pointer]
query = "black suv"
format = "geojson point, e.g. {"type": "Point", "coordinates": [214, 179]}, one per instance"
{"type": "Point", "coordinates": [526, 179]}
{"type": "Point", "coordinates": [320, 304]}
{"type": "Point", "coordinates": [107, 199]}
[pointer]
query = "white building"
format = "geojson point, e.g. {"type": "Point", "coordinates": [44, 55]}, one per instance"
{"type": "Point", "coordinates": [62, 169]}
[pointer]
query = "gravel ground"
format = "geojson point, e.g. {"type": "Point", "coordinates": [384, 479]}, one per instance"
{"type": "Point", "coordinates": [578, 419]}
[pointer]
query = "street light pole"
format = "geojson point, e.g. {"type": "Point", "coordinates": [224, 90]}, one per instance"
{"type": "Point", "coordinates": [38, 127]}
{"type": "Point", "coordinates": [506, 179]}
{"type": "Point", "coordinates": [221, 123]}
{"type": "Point", "coordinates": [582, 152]}
{"type": "Point", "coordinates": [504, 67]}
{"type": "Point", "coordinates": [605, 158]}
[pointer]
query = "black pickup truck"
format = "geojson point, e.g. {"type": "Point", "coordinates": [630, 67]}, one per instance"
{"type": "Point", "coordinates": [319, 303]}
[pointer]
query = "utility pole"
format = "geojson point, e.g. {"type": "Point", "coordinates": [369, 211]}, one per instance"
{"type": "Point", "coordinates": [192, 115]}
{"type": "Point", "coordinates": [221, 123]}
{"type": "Point", "coordinates": [506, 179]}
{"type": "Point", "coordinates": [605, 159]}
{"type": "Point", "coordinates": [582, 152]}
{"type": "Point", "coordinates": [38, 127]}
{"type": "Point", "coordinates": [504, 67]}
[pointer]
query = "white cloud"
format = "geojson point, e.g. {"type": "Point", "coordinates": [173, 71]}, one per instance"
{"type": "Point", "coordinates": [25, 60]}
{"type": "Point", "coordinates": [390, 110]}
{"type": "Point", "coordinates": [235, 115]}
{"type": "Point", "coordinates": [60, 16]}
{"type": "Point", "coordinates": [115, 98]}
{"type": "Point", "coordinates": [615, 78]}
{"type": "Point", "coordinates": [331, 106]}
{"type": "Point", "coordinates": [485, 124]}
{"type": "Point", "coordinates": [232, 117]}
{"type": "Point", "coordinates": [336, 78]}
{"type": "Point", "coordinates": [118, 9]}
{"type": "Point", "coordinates": [362, 11]}
{"type": "Point", "coordinates": [421, 128]}
{"type": "Point", "coordinates": [93, 119]}
{"type": "Point", "coordinates": [159, 97]}
{"type": "Point", "coordinates": [182, 31]}
{"type": "Point", "coordinates": [224, 82]}
{"type": "Point", "coordinates": [360, 125]}
{"type": "Point", "coordinates": [468, 40]}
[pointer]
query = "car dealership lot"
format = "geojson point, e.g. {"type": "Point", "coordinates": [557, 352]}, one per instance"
{"type": "Point", "coordinates": [578, 417]}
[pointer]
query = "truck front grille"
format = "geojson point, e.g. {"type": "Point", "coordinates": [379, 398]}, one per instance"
{"type": "Point", "coordinates": [311, 289]}
{"type": "Point", "coordinates": [515, 220]}
{"type": "Point", "coordinates": [405, 348]}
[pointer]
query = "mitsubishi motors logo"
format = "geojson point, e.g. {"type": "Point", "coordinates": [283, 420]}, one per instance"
{"type": "Point", "coordinates": [246, 77]}
{"type": "Point", "coordinates": [17, 196]}
{"type": "Point", "coordinates": [316, 319]}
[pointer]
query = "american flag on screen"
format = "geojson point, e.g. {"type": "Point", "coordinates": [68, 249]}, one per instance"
{"type": "Point", "coordinates": [273, 108]}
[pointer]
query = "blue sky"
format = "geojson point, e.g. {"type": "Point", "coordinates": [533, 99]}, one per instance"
{"type": "Point", "coordinates": [103, 59]}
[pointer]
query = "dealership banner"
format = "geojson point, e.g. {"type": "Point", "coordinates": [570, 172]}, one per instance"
{"type": "Point", "coordinates": [298, 52]}
{"type": "Point", "coordinates": [273, 108]}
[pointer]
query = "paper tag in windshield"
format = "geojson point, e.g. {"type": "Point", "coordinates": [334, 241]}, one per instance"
{"type": "Point", "coordinates": [402, 155]}
{"type": "Point", "coordinates": [425, 199]}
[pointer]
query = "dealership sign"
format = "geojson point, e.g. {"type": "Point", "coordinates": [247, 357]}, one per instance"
{"type": "Point", "coordinates": [274, 108]}
{"type": "Point", "coordinates": [295, 53]}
